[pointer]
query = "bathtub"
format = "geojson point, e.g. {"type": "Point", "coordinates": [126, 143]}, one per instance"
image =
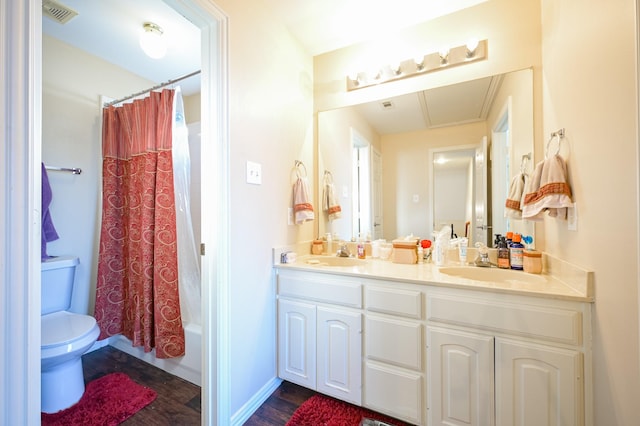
{"type": "Point", "coordinates": [188, 367]}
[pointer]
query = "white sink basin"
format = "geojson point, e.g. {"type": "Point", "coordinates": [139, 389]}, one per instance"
{"type": "Point", "coordinates": [333, 261]}
{"type": "Point", "coordinates": [495, 275]}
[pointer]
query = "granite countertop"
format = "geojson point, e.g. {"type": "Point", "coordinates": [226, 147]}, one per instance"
{"type": "Point", "coordinates": [559, 281]}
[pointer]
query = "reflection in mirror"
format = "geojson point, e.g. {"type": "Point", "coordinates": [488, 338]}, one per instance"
{"type": "Point", "coordinates": [401, 133]}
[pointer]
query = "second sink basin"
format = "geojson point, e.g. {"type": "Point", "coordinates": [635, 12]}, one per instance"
{"type": "Point", "coordinates": [333, 261]}
{"type": "Point", "coordinates": [491, 274]}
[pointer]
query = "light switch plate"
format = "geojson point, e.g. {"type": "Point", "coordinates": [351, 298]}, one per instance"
{"type": "Point", "coordinates": [254, 173]}
{"type": "Point", "coordinates": [572, 218]}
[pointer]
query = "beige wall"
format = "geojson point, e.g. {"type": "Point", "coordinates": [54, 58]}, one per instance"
{"type": "Point", "coordinates": [271, 123]}
{"type": "Point", "coordinates": [590, 89]}
{"type": "Point", "coordinates": [584, 57]}
{"type": "Point", "coordinates": [514, 43]}
{"type": "Point", "coordinates": [335, 154]}
{"type": "Point", "coordinates": [406, 172]}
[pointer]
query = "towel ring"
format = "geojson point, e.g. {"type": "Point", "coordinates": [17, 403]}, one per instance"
{"type": "Point", "coordinates": [524, 162]}
{"type": "Point", "coordinates": [328, 177]}
{"type": "Point", "coordinates": [299, 164]}
{"type": "Point", "coordinates": [560, 135]}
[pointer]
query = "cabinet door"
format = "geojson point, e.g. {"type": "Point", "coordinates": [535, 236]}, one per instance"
{"type": "Point", "coordinates": [297, 342]}
{"type": "Point", "coordinates": [537, 385]}
{"type": "Point", "coordinates": [339, 354]}
{"type": "Point", "coordinates": [460, 377]}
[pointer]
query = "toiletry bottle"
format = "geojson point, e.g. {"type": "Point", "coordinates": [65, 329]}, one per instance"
{"type": "Point", "coordinates": [503, 254]}
{"type": "Point", "coordinates": [420, 254]}
{"type": "Point", "coordinates": [462, 250]}
{"type": "Point", "coordinates": [509, 239]}
{"type": "Point", "coordinates": [361, 251]}
{"type": "Point", "coordinates": [516, 253]}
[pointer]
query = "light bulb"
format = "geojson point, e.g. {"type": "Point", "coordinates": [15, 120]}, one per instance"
{"type": "Point", "coordinates": [152, 42]}
{"type": "Point", "coordinates": [472, 45]}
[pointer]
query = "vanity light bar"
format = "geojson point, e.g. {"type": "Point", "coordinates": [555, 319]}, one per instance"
{"type": "Point", "coordinates": [431, 62]}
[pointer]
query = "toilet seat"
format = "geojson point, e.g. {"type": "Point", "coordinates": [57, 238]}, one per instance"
{"type": "Point", "coordinates": [66, 331]}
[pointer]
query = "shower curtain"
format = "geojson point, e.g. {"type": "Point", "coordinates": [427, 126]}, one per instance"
{"type": "Point", "coordinates": [137, 291]}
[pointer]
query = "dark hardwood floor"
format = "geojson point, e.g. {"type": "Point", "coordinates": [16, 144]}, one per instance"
{"type": "Point", "coordinates": [178, 401]}
{"type": "Point", "coordinates": [279, 407]}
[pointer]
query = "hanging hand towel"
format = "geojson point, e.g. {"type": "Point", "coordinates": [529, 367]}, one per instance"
{"type": "Point", "coordinates": [48, 230]}
{"type": "Point", "coordinates": [549, 190]}
{"type": "Point", "coordinates": [302, 207]}
{"type": "Point", "coordinates": [513, 205]}
{"type": "Point", "coordinates": [329, 201]}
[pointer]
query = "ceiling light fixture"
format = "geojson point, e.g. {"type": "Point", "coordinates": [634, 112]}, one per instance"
{"type": "Point", "coordinates": [152, 42]}
{"type": "Point", "coordinates": [473, 51]}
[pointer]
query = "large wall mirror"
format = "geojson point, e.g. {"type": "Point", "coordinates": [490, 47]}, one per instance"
{"type": "Point", "coordinates": [413, 163]}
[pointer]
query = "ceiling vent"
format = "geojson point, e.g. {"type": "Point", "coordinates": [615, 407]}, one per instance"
{"type": "Point", "coordinates": [58, 12]}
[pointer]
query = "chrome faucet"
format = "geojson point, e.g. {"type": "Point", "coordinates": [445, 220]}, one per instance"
{"type": "Point", "coordinates": [343, 251]}
{"type": "Point", "coordinates": [483, 256]}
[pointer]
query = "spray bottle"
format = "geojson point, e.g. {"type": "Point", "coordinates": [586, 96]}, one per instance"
{"type": "Point", "coordinates": [441, 243]}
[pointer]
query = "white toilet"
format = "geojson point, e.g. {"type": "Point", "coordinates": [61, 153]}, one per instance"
{"type": "Point", "coordinates": [65, 337]}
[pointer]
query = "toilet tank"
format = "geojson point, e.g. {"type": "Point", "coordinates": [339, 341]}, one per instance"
{"type": "Point", "coordinates": [57, 283]}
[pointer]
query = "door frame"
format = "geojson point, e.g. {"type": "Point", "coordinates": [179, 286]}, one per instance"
{"type": "Point", "coordinates": [20, 220]}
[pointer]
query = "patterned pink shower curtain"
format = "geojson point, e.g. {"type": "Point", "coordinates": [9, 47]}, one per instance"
{"type": "Point", "coordinates": [137, 289]}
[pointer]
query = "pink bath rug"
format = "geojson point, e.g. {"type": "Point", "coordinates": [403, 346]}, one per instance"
{"type": "Point", "coordinates": [107, 401]}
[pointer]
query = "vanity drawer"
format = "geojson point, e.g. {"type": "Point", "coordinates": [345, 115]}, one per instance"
{"type": "Point", "coordinates": [320, 288]}
{"type": "Point", "coordinates": [528, 320]}
{"type": "Point", "coordinates": [407, 303]}
{"type": "Point", "coordinates": [394, 341]}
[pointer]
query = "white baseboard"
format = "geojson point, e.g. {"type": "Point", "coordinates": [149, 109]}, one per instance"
{"type": "Point", "coordinates": [247, 410]}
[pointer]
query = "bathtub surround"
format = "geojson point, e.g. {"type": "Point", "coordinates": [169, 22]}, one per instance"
{"type": "Point", "coordinates": [137, 292]}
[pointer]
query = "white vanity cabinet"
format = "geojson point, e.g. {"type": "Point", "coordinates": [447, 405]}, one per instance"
{"type": "Point", "coordinates": [393, 351]}
{"type": "Point", "coordinates": [496, 359]}
{"type": "Point", "coordinates": [434, 353]}
{"type": "Point", "coordinates": [320, 333]}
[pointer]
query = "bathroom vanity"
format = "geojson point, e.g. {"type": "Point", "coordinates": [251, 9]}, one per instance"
{"type": "Point", "coordinates": [433, 348]}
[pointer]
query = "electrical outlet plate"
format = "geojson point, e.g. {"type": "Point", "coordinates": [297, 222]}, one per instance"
{"type": "Point", "coordinates": [290, 216]}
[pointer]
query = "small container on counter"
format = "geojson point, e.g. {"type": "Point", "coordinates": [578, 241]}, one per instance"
{"type": "Point", "coordinates": [532, 261]}
{"type": "Point", "coordinates": [317, 247]}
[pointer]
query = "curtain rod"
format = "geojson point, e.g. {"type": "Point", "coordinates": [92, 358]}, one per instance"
{"type": "Point", "coordinates": [159, 86]}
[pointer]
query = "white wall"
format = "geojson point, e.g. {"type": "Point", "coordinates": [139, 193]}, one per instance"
{"type": "Point", "coordinates": [590, 89]}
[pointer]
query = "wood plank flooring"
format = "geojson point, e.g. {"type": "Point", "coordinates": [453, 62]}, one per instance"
{"type": "Point", "coordinates": [178, 401]}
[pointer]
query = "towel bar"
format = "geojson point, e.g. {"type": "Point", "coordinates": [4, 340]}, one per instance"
{"type": "Point", "coordinates": [74, 170]}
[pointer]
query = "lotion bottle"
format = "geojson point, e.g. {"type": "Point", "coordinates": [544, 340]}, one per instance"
{"type": "Point", "coordinates": [516, 253]}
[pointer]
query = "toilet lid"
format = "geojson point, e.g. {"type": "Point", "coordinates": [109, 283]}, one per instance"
{"type": "Point", "coordinates": [63, 327]}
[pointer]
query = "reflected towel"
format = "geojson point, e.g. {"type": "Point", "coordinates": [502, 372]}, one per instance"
{"type": "Point", "coordinates": [302, 207]}
{"type": "Point", "coordinates": [48, 230]}
{"type": "Point", "coordinates": [329, 201]}
{"type": "Point", "coordinates": [515, 200]}
{"type": "Point", "coordinates": [548, 191]}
